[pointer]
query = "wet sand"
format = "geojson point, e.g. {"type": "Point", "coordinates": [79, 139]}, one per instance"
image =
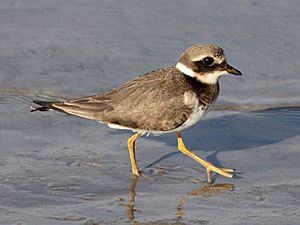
{"type": "Point", "coordinates": [58, 169]}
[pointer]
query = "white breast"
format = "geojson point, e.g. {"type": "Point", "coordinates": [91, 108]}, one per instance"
{"type": "Point", "coordinates": [199, 111]}
{"type": "Point", "coordinates": [197, 114]}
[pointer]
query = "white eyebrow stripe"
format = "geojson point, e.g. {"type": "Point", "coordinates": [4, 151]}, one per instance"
{"type": "Point", "coordinates": [199, 58]}
{"type": "Point", "coordinates": [217, 60]}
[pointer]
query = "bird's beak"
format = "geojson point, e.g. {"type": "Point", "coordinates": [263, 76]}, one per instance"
{"type": "Point", "coordinates": [232, 70]}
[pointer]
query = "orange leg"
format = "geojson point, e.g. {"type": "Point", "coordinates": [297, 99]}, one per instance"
{"type": "Point", "coordinates": [131, 149]}
{"type": "Point", "coordinates": [208, 166]}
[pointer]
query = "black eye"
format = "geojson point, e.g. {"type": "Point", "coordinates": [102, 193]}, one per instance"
{"type": "Point", "coordinates": [208, 61]}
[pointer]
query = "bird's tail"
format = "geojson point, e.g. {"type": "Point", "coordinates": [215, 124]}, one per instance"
{"type": "Point", "coordinates": [83, 107]}
{"type": "Point", "coordinates": [44, 106]}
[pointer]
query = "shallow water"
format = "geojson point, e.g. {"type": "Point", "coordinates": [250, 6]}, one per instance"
{"type": "Point", "coordinates": [58, 169]}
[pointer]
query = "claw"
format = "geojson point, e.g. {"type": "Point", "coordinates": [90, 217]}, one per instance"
{"type": "Point", "coordinates": [228, 170]}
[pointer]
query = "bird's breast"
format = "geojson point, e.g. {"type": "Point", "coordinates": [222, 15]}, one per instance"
{"type": "Point", "coordinates": [198, 111]}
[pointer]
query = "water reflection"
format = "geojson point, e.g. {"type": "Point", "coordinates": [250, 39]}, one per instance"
{"type": "Point", "coordinates": [211, 189]}
{"type": "Point", "coordinates": [180, 208]}
{"type": "Point", "coordinates": [130, 206]}
{"type": "Point", "coordinates": [205, 190]}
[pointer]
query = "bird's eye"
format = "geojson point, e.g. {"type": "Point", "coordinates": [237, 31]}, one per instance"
{"type": "Point", "coordinates": [209, 61]}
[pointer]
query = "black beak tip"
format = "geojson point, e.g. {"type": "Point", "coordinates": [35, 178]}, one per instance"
{"type": "Point", "coordinates": [234, 71]}
{"type": "Point", "coordinates": [239, 73]}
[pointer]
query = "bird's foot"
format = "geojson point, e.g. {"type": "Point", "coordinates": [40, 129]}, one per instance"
{"type": "Point", "coordinates": [222, 171]}
{"type": "Point", "coordinates": [208, 166]}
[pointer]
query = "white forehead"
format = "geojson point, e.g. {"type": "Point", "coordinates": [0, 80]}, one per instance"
{"type": "Point", "coordinates": [218, 59]}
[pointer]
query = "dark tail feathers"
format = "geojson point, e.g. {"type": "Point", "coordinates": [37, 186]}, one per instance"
{"type": "Point", "coordinates": [45, 106]}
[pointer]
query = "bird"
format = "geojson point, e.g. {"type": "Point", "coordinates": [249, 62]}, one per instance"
{"type": "Point", "coordinates": [165, 100]}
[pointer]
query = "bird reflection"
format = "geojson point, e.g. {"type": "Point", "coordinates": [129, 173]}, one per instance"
{"type": "Point", "coordinates": [131, 189]}
{"type": "Point", "coordinates": [211, 189]}
{"type": "Point", "coordinates": [203, 191]}
{"type": "Point", "coordinates": [180, 207]}
{"type": "Point", "coordinates": [130, 205]}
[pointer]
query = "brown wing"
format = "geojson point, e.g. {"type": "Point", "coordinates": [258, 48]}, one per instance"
{"type": "Point", "coordinates": [153, 101]}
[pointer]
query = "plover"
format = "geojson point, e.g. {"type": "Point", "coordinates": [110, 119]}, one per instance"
{"type": "Point", "coordinates": [165, 100]}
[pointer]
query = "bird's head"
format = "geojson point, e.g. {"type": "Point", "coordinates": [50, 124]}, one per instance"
{"type": "Point", "coordinates": [205, 62]}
